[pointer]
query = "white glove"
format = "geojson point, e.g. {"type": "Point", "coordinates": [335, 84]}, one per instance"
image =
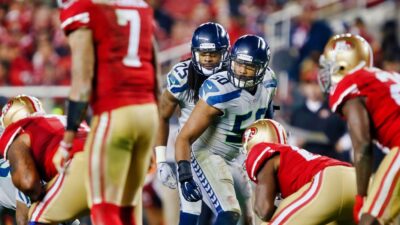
{"type": "Point", "coordinates": [165, 174]}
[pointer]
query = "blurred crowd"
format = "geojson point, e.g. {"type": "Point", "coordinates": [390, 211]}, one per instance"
{"type": "Point", "coordinates": [33, 49]}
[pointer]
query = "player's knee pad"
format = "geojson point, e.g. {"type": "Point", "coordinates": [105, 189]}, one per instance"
{"type": "Point", "coordinates": [227, 218]}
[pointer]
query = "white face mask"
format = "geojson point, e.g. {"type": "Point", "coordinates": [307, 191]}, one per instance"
{"type": "Point", "coordinates": [242, 83]}
{"type": "Point", "coordinates": [207, 72]}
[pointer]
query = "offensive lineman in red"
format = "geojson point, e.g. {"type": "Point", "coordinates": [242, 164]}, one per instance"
{"type": "Point", "coordinates": [30, 140]}
{"type": "Point", "coordinates": [315, 189]}
{"type": "Point", "coordinates": [112, 67]}
{"type": "Point", "coordinates": [369, 99]}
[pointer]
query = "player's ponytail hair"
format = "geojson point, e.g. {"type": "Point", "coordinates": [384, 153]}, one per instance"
{"type": "Point", "coordinates": [195, 80]}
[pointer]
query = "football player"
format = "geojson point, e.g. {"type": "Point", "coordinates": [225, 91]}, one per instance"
{"type": "Point", "coordinates": [29, 142]}
{"type": "Point", "coordinates": [368, 98]}
{"type": "Point", "coordinates": [113, 66]}
{"type": "Point", "coordinates": [315, 189]}
{"type": "Point", "coordinates": [210, 140]}
{"type": "Point", "coordinates": [209, 47]}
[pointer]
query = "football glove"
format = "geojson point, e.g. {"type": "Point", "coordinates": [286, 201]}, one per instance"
{"type": "Point", "coordinates": [189, 188]}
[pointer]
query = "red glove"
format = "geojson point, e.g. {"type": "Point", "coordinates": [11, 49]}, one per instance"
{"type": "Point", "coordinates": [358, 204]}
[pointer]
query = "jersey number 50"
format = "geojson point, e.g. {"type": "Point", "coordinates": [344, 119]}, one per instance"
{"type": "Point", "coordinates": [131, 17]}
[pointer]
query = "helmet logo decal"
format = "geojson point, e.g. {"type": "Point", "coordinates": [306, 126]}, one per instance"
{"type": "Point", "coordinates": [6, 108]}
{"type": "Point", "coordinates": [249, 134]}
{"type": "Point", "coordinates": [342, 46]}
{"type": "Point", "coordinates": [204, 46]}
{"type": "Point", "coordinates": [245, 57]}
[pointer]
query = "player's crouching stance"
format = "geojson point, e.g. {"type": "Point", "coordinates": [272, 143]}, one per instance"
{"type": "Point", "coordinates": [210, 141]}
{"type": "Point", "coordinates": [315, 189]}
{"type": "Point", "coordinates": [29, 142]}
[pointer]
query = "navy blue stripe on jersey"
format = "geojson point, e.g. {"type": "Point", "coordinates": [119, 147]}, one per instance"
{"type": "Point", "coordinates": [270, 83]}
{"type": "Point", "coordinates": [25, 199]}
{"type": "Point", "coordinates": [206, 185]}
{"type": "Point", "coordinates": [213, 100]}
{"type": "Point", "coordinates": [4, 171]}
{"type": "Point", "coordinates": [179, 89]}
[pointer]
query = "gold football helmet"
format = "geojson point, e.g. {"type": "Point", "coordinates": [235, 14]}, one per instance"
{"type": "Point", "coordinates": [264, 130]}
{"type": "Point", "coordinates": [343, 54]}
{"type": "Point", "coordinates": [20, 107]}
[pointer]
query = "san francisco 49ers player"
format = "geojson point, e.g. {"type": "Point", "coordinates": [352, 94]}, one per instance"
{"type": "Point", "coordinates": [369, 99]}
{"type": "Point", "coordinates": [30, 140]}
{"type": "Point", "coordinates": [315, 189]}
{"type": "Point", "coordinates": [113, 67]}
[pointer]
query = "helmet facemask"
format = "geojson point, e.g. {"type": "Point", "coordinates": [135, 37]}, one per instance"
{"type": "Point", "coordinates": [328, 69]}
{"type": "Point", "coordinates": [243, 81]}
{"type": "Point", "coordinates": [208, 48]}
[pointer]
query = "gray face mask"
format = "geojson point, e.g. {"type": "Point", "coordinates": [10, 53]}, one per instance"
{"type": "Point", "coordinates": [327, 70]}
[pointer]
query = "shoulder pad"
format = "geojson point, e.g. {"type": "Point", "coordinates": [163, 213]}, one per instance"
{"type": "Point", "coordinates": [177, 77]}
{"type": "Point", "coordinates": [257, 157]}
{"type": "Point", "coordinates": [218, 89]}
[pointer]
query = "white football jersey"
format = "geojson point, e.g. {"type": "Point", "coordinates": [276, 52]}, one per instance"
{"type": "Point", "coordinates": [240, 109]}
{"type": "Point", "coordinates": [177, 85]}
{"type": "Point", "coordinates": [8, 193]}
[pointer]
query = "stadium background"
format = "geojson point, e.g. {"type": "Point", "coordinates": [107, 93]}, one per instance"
{"type": "Point", "coordinates": [35, 59]}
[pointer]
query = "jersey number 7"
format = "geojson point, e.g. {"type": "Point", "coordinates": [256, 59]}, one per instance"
{"type": "Point", "coordinates": [132, 17]}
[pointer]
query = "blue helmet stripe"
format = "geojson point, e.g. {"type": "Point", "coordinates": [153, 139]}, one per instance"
{"type": "Point", "coordinates": [213, 100]}
{"type": "Point", "coordinates": [179, 89]}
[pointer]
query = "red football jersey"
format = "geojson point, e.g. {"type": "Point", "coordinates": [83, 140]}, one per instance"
{"type": "Point", "coordinates": [45, 133]}
{"type": "Point", "coordinates": [381, 91]}
{"type": "Point", "coordinates": [122, 33]}
{"type": "Point", "coordinates": [297, 166]}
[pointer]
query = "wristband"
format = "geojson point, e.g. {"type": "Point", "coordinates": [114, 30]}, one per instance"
{"type": "Point", "coordinates": [160, 153]}
{"type": "Point", "coordinates": [65, 148]}
{"type": "Point", "coordinates": [184, 170]}
{"type": "Point", "coordinates": [75, 115]}
{"type": "Point", "coordinates": [359, 198]}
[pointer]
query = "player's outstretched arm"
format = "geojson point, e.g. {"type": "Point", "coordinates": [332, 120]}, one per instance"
{"type": "Point", "coordinates": [23, 169]}
{"type": "Point", "coordinates": [167, 106]}
{"type": "Point", "coordinates": [21, 213]}
{"type": "Point", "coordinates": [266, 189]}
{"type": "Point", "coordinates": [83, 58]}
{"type": "Point", "coordinates": [200, 118]}
{"type": "Point", "coordinates": [360, 132]}
{"type": "Point", "coordinates": [82, 55]}
{"type": "Point", "coordinates": [166, 109]}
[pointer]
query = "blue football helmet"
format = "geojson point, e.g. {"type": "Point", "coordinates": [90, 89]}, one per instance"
{"type": "Point", "coordinates": [209, 37]}
{"type": "Point", "coordinates": [250, 51]}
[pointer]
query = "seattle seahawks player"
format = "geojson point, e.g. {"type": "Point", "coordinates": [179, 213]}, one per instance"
{"type": "Point", "coordinates": [209, 47]}
{"type": "Point", "coordinates": [210, 140]}
{"type": "Point", "coordinates": [10, 197]}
